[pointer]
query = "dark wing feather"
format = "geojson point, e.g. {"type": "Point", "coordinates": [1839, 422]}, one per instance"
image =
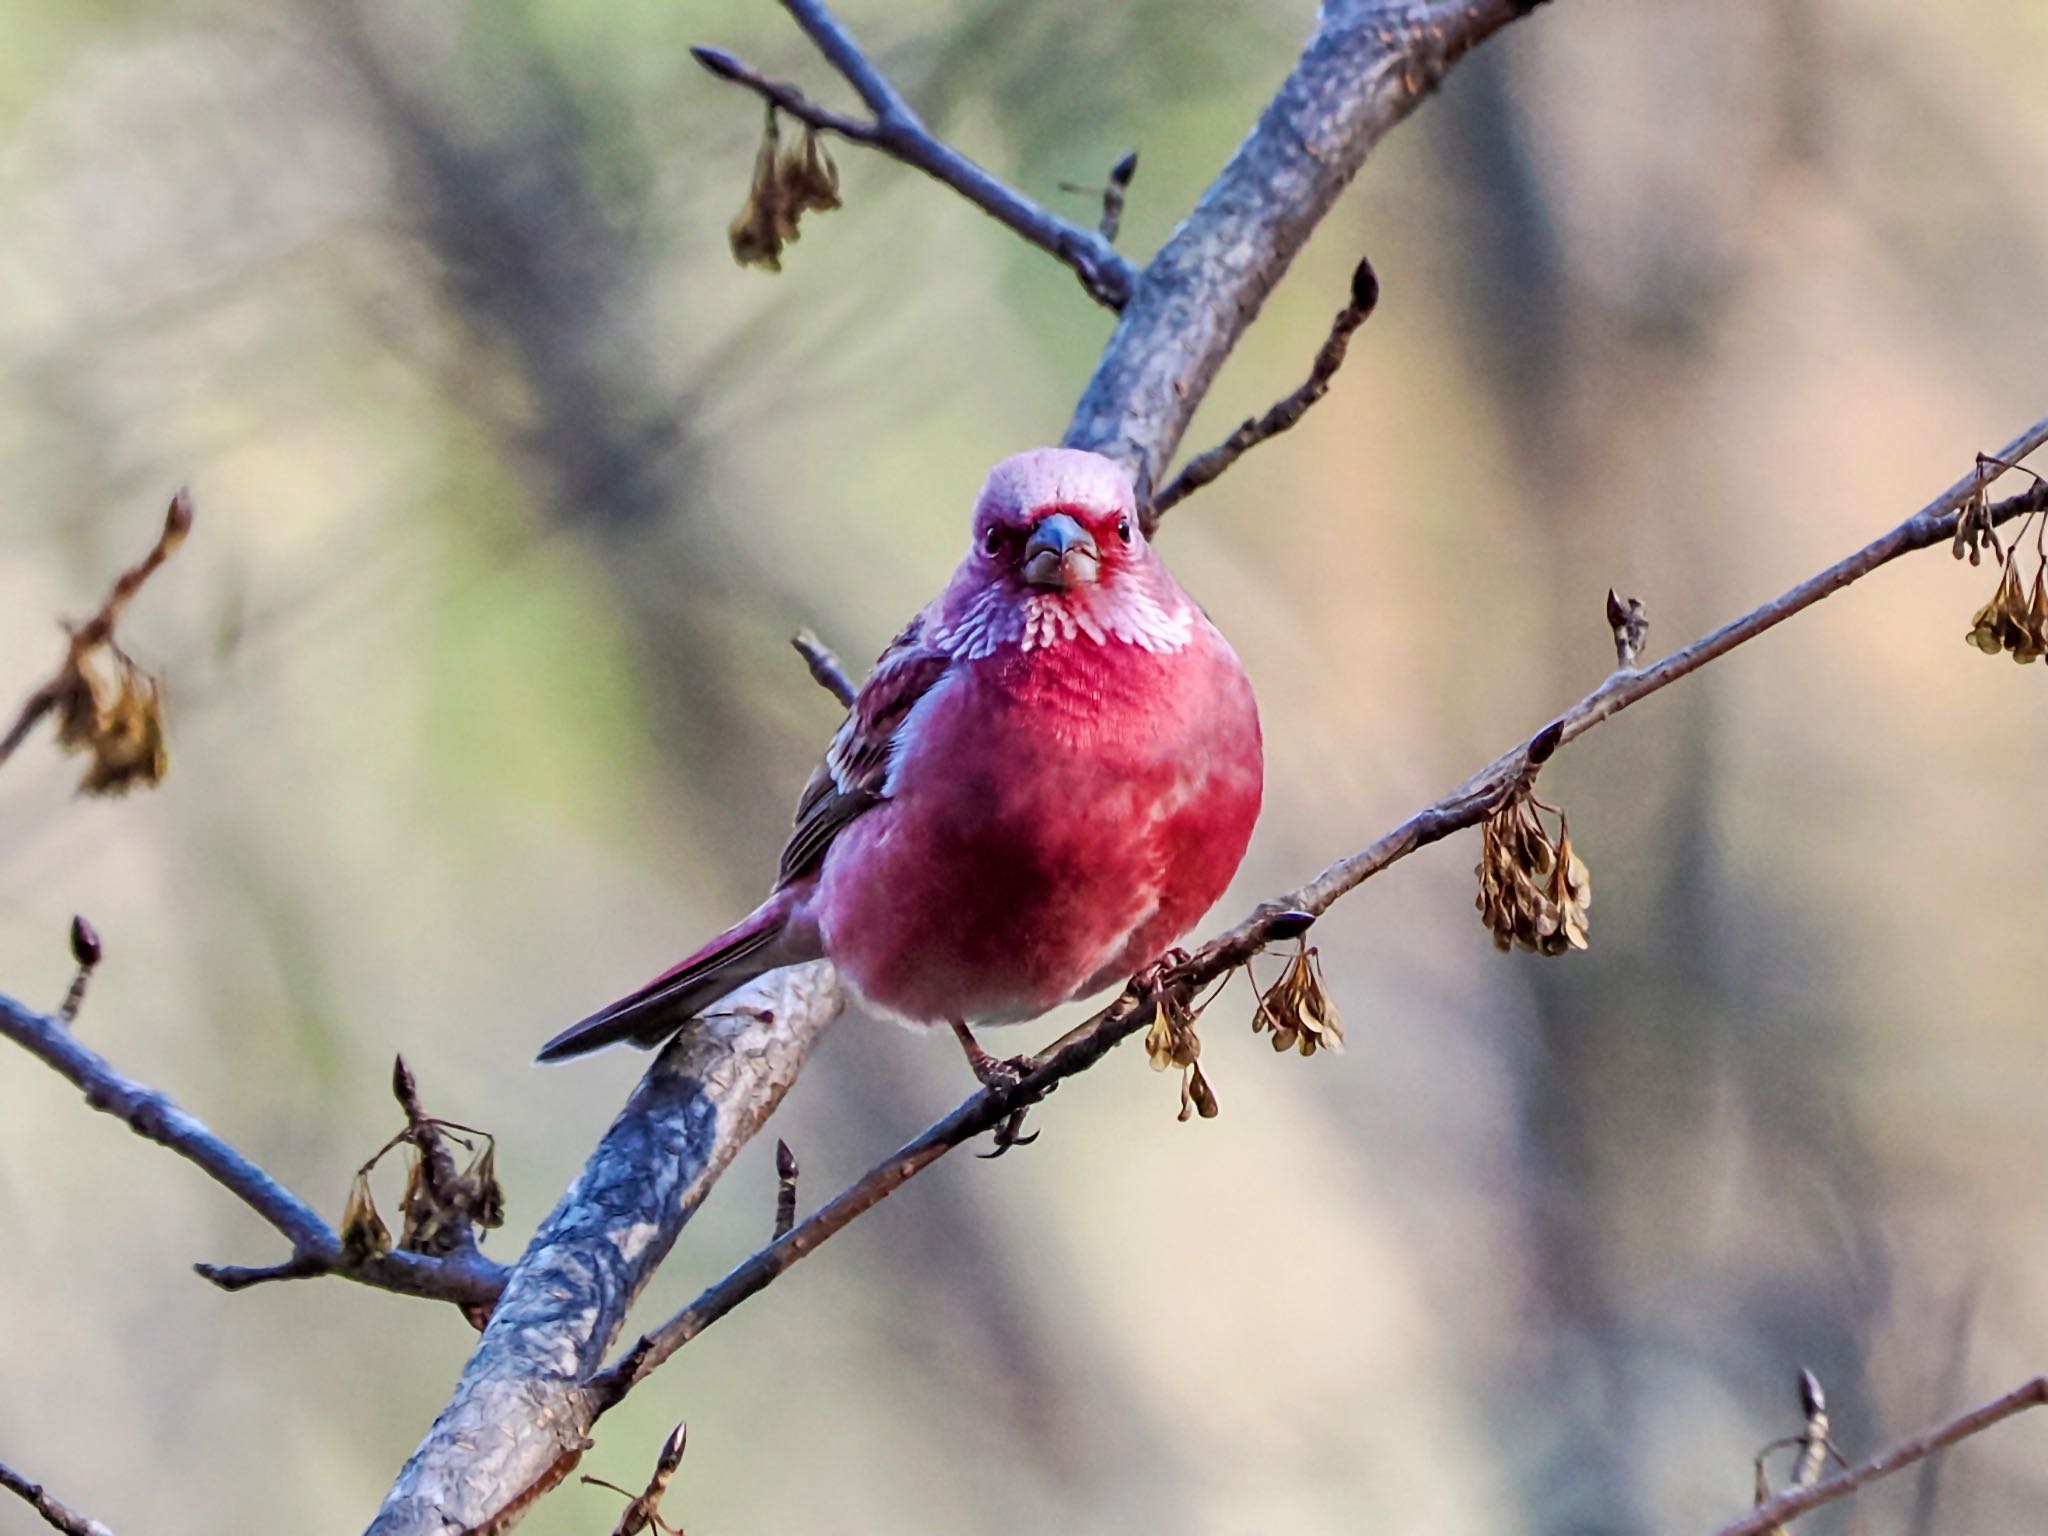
{"type": "Point", "coordinates": [849, 781]}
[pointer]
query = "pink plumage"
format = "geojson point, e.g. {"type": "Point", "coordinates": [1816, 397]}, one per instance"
{"type": "Point", "coordinates": [1049, 776]}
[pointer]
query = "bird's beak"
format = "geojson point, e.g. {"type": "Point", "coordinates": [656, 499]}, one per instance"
{"type": "Point", "coordinates": [1060, 553]}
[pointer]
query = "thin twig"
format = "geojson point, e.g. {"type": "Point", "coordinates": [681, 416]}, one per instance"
{"type": "Point", "coordinates": [54, 1510]}
{"type": "Point", "coordinates": [826, 670]}
{"type": "Point", "coordinates": [897, 131]}
{"type": "Point", "coordinates": [1466, 806]}
{"type": "Point", "coordinates": [1794, 1502]}
{"type": "Point", "coordinates": [99, 629]}
{"type": "Point", "coordinates": [1112, 193]}
{"type": "Point", "coordinates": [466, 1279]}
{"type": "Point", "coordinates": [1206, 466]}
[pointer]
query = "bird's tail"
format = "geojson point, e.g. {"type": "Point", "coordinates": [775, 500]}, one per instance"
{"type": "Point", "coordinates": [756, 945]}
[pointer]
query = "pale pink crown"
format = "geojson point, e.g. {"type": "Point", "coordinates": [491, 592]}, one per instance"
{"type": "Point", "coordinates": [1042, 477]}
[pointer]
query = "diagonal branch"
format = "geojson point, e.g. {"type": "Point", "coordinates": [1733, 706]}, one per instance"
{"type": "Point", "coordinates": [1368, 64]}
{"type": "Point", "coordinates": [1286, 916]}
{"type": "Point", "coordinates": [1207, 465]}
{"type": "Point", "coordinates": [1793, 1502]}
{"type": "Point", "coordinates": [468, 1279]}
{"type": "Point", "coordinates": [899, 132]}
{"type": "Point", "coordinates": [55, 1512]}
{"type": "Point", "coordinates": [519, 1418]}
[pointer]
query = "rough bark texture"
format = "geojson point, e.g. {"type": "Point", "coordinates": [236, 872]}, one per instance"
{"type": "Point", "coordinates": [1366, 67]}
{"type": "Point", "coordinates": [519, 1419]}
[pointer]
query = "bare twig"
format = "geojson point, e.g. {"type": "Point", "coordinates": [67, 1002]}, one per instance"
{"type": "Point", "coordinates": [519, 1418]}
{"type": "Point", "coordinates": [826, 670]}
{"type": "Point", "coordinates": [1367, 65]}
{"type": "Point", "coordinates": [1794, 1502]}
{"type": "Point", "coordinates": [1281, 919]}
{"type": "Point", "coordinates": [644, 1510]}
{"type": "Point", "coordinates": [468, 1279]}
{"type": "Point", "coordinates": [1112, 193]}
{"type": "Point", "coordinates": [897, 131]}
{"type": "Point", "coordinates": [55, 1511]}
{"type": "Point", "coordinates": [1206, 466]}
{"type": "Point", "coordinates": [85, 949]}
{"type": "Point", "coordinates": [99, 629]}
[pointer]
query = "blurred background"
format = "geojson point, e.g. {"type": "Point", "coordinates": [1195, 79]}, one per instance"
{"type": "Point", "coordinates": [511, 488]}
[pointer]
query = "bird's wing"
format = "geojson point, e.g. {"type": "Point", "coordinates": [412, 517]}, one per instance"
{"type": "Point", "coordinates": [850, 780]}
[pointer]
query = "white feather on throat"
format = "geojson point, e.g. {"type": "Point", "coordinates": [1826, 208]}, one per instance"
{"type": "Point", "coordinates": [1130, 615]}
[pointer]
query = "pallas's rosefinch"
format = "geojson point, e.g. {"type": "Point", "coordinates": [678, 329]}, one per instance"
{"type": "Point", "coordinates": [1049, 776]}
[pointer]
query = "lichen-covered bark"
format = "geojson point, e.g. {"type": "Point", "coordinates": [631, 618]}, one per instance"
{"type": "Point", "coordinates": [1367, 65]}
{"type": "Point", "coordinates": [519, 1417]}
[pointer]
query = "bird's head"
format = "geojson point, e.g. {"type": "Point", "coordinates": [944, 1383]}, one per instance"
{"type": "Point", "coordinates": [1058, 520]}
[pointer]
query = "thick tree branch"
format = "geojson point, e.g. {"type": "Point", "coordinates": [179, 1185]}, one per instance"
{"type": "Point", "coordinates": [1793, 1502]}
{"type": "Point", "coordinates": [1368, 64]}
{"type": "Point", "coordinates": [1287, 916]}
{"type": "Point", "coordinates": [897, 131]}
{"type": "Point", "coordinates": [468, 1279]}
{"type": "Point", "coordinates": [519, 1418]}
{"type": "Point", "coordinates": [55, 1511]}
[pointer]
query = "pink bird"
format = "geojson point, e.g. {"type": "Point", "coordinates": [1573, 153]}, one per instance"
{"type": "Point", "coordinates": [1049, 776]}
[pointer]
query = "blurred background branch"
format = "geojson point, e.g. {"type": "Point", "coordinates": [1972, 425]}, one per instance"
{"type": "Point", "coordinates": [55, 1512]}
{"type": "Point", "coordinates": [896, 130]}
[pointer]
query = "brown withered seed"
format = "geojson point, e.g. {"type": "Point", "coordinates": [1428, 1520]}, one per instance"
{"type": "Point", "coordinates": [1298, 1010]}
{"type": "Point", "coordinates": [363, 1233]}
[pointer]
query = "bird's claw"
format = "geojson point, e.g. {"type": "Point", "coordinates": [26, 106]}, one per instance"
{"type": "Point", "coordinates": [1007, 1135]}
{"type": "Point", "coordinates": [1001, 1072]}
{"type": "Point", "coordinates": [1155, 973]}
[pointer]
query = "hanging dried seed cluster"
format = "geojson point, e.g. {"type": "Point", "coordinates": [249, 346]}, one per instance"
{"type": "Point", "coordinates": [1533, 890]}
{"type": "Point", "coordinates": [1172, 1042]}
{"type": "Point", "coordinates": [107, 708]}
{"type": "Point", "coordinates": [2015, 621]}
{"type": "Point", "coordinates": [786, 186]}
{"type": "Point", "coordinates": [1297, 1008]}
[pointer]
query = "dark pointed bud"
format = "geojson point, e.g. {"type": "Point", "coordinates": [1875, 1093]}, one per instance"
{"type": "Point", "coordinates": [785, 1161]}
{"type": "Point", "coordinates": [85, 943]}
{"type": "Point", "coordinates": [1812, 1400]}
{"type": "Point", "coordinates": [1545, 742]}
{"type": "Point", "coordinates": [718, 62]}
{"type": "Point", "coordinates": [1365, 288]}
{"type": "Point", "coordinates": [672, 1449]}
{"type": "Point", "coordinates": [178, 520]}
{"type": "Point", "coordinates": [1121, 173]}
{"type": "Point", "coordinates": [1283, 926]}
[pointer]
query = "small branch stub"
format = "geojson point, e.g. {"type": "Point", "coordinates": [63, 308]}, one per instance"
{"type": "Point", "coordinates": [644, 1511]}
{"type": "Point", "coordinates": [826, 670]}
{"type": "Point", "coordinates": [85, 949]}
{"type": "Point", "coordinates": [1631, 628]}
{"type": "Point", "coordinates": [1112, 194]}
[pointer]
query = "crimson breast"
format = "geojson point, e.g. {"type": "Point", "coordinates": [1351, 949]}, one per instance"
{"type": "Point", "coordinates": [1057, 816]}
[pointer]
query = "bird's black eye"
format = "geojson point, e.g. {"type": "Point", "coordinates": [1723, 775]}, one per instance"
{"type": "Point", "coordinates": [1123, 529]}
{"type": "Point", "coordinates": [992, 541]}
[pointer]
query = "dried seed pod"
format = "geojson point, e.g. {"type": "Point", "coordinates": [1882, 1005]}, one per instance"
{"type": "Point", "coordinates": [810, 180]}
{"type": "Point", "coordinates": [363, 1233]}
{"type": "Point", "coordinates": [1298, 1009]}
{"type": "Point", "coordinates": [1533, 891]}
{"type": "Point", "coordinates": [481, 1192]}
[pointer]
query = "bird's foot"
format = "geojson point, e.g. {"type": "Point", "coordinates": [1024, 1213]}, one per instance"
{"type": "Point", "coordinates": [1153, 974]}
{"type": "Point", "coordinates": [1007, 1135]}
